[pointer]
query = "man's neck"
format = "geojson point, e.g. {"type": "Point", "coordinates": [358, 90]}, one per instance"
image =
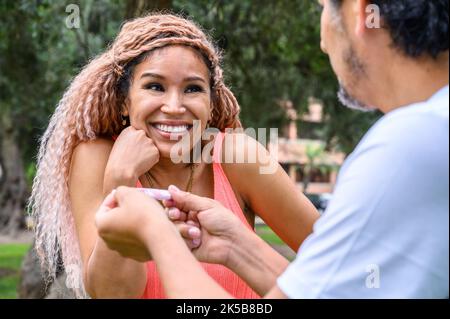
{"type": "Point", "coordinates": [410, 81]}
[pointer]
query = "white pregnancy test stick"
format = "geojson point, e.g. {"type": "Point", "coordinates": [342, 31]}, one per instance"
{"type": "Point", "coordinates": [158, 194]}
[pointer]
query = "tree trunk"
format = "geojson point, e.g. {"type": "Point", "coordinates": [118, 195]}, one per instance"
{"type": "Point", "coordinates": [13, 187]}
{"type": "Point", "coordinates": [136, 8]}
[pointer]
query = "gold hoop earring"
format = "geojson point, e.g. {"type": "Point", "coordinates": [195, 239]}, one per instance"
{"type": "Point", "coordinates": [125, 120]}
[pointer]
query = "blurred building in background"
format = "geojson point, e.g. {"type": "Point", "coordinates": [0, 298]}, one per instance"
{"type": "Point", "coordinates": [304, 156]}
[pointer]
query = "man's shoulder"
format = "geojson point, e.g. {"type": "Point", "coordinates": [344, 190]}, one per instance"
{"type": "Point", "coordinates": [413, 126]}
{"type": "Point", "coordinates": [417, 136]}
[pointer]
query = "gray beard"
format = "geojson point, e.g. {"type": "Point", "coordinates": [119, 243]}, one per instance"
{"type": "Point", "coordinates": [352, 103]}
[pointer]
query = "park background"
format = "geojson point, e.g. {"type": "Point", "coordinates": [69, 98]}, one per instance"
{"type": "Point", "coordinates": [272, 62]}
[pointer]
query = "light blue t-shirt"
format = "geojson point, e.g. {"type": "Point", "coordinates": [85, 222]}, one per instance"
{"type": "Point", "coordinates": [385, 233]}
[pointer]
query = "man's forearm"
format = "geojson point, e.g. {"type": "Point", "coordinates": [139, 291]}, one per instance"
{"type": "Point", "coordinates": [252, 259]}
{"type": "Point", "coordinates": [169, 252]}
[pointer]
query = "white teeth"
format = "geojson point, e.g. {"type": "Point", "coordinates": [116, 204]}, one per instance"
{"type": "Point", "coordinates": [172, 128]}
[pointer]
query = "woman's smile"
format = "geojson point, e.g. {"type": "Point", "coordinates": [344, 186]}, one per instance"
{"type": "Point", "coordinates": [169, 129]}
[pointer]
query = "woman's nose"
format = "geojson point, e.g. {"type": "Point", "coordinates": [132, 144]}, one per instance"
{"type": "Point", "coordinates": [173, 104]}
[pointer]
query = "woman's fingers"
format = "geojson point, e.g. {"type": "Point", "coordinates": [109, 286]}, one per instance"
{"type": "Point", "coordinates": [189, 229]}
{"type": "Point", "coordinates": [175, 214]}
{"type": "Point", "coordinates": [193, 223]}
{"type": "Point", "coordinates": [110, 201]}
{"type": "Point", "coordinates": [192, 243]}
{"type": "Point", "coordinates": [190, 233]}
{"type": "Point", "coordinates": [168, 203]}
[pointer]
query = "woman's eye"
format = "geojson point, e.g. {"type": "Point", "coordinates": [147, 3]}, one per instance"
{"type": "Point", "coordinates": [194, 89]}
{"type": "Point", "coordinates": [155, 87]}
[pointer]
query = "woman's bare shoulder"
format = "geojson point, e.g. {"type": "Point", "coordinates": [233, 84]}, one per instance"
{"type": "Point", "coordinates": [91, 157]}
{"type": "Point", "coordinates": [249, 159]}
{"type": "Point", "coordinates": [94, 150]}
{"type": "Point", "coordinates": [94, 147]}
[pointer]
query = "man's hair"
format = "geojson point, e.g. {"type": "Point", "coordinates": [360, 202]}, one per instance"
{"type": "Point", "coordinates": [417, 27]}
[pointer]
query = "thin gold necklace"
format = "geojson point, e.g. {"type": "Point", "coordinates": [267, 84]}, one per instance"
{"type": "Point", "coordinates": [151, 180]}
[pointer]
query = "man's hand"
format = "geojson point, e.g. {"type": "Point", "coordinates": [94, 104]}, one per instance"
{"type": "Point", "coordinates": [220, 228]}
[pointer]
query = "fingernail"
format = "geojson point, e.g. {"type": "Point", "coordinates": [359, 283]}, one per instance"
{"type": "Point", "coordinates": [168, 203]}
{"type": "Point", "coordinates": [173, 188]}
{"type": "Point", "coordinates": [174, 213]}
{"type": "Point", "coordinates": [196, 242]}
{"type": "Point", "coordinates": [113, 192]}
{"type": "Point", "coordinates": [194, 232]}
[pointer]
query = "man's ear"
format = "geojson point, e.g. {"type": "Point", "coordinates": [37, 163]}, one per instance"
{"type": "Point", "coordinates": [368, 20]}
{"type": "Point", "coordinates": [362, 16]}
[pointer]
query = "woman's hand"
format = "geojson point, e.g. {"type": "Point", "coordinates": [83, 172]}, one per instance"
{"type": "Point", "coordinates": [132, 155]}
{"type": "Point", "coordinates": [188, 229]}
{"type": "Point", "coordinates": [220, 228]}
{"type": "Point", "coordinates": [125, 220]}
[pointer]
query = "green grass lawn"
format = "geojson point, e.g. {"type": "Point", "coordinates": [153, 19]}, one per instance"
{"type": "Point", "coordinates": [11, 256]}
{"type": "Point", "coordinates": [273, 240]}
{"type": "Point", "coordinates": [268, 235]}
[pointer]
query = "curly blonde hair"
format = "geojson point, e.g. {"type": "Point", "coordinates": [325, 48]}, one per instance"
{"type": "Point", "coordinates": [91, 107]}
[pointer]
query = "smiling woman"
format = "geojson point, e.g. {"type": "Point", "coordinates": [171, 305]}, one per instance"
{"type": "Point", "coordinates": [111, 127]}
{"type": "Point", "coordinates": [116, 125]}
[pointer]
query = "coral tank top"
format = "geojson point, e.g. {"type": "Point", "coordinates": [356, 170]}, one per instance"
{"type": "Point", "coordinates": [223, 193]}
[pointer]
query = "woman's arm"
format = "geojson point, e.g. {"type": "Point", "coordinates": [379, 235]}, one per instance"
{"type": "Point", "coordinates": [105, 272]}
{"type": "Point", "coordinates": [270, 193]}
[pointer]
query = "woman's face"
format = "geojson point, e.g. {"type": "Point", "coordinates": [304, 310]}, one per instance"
{"type": "Point", "coordinates": [169, 91]}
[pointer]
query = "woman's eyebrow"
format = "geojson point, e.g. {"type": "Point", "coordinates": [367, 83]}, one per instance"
{"type": "Point", "coordinates": [159, 76]}
{"type": "Point", "coordinates": [194, 78]}
{"type": "Point", "coordinates": [152, 75]}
